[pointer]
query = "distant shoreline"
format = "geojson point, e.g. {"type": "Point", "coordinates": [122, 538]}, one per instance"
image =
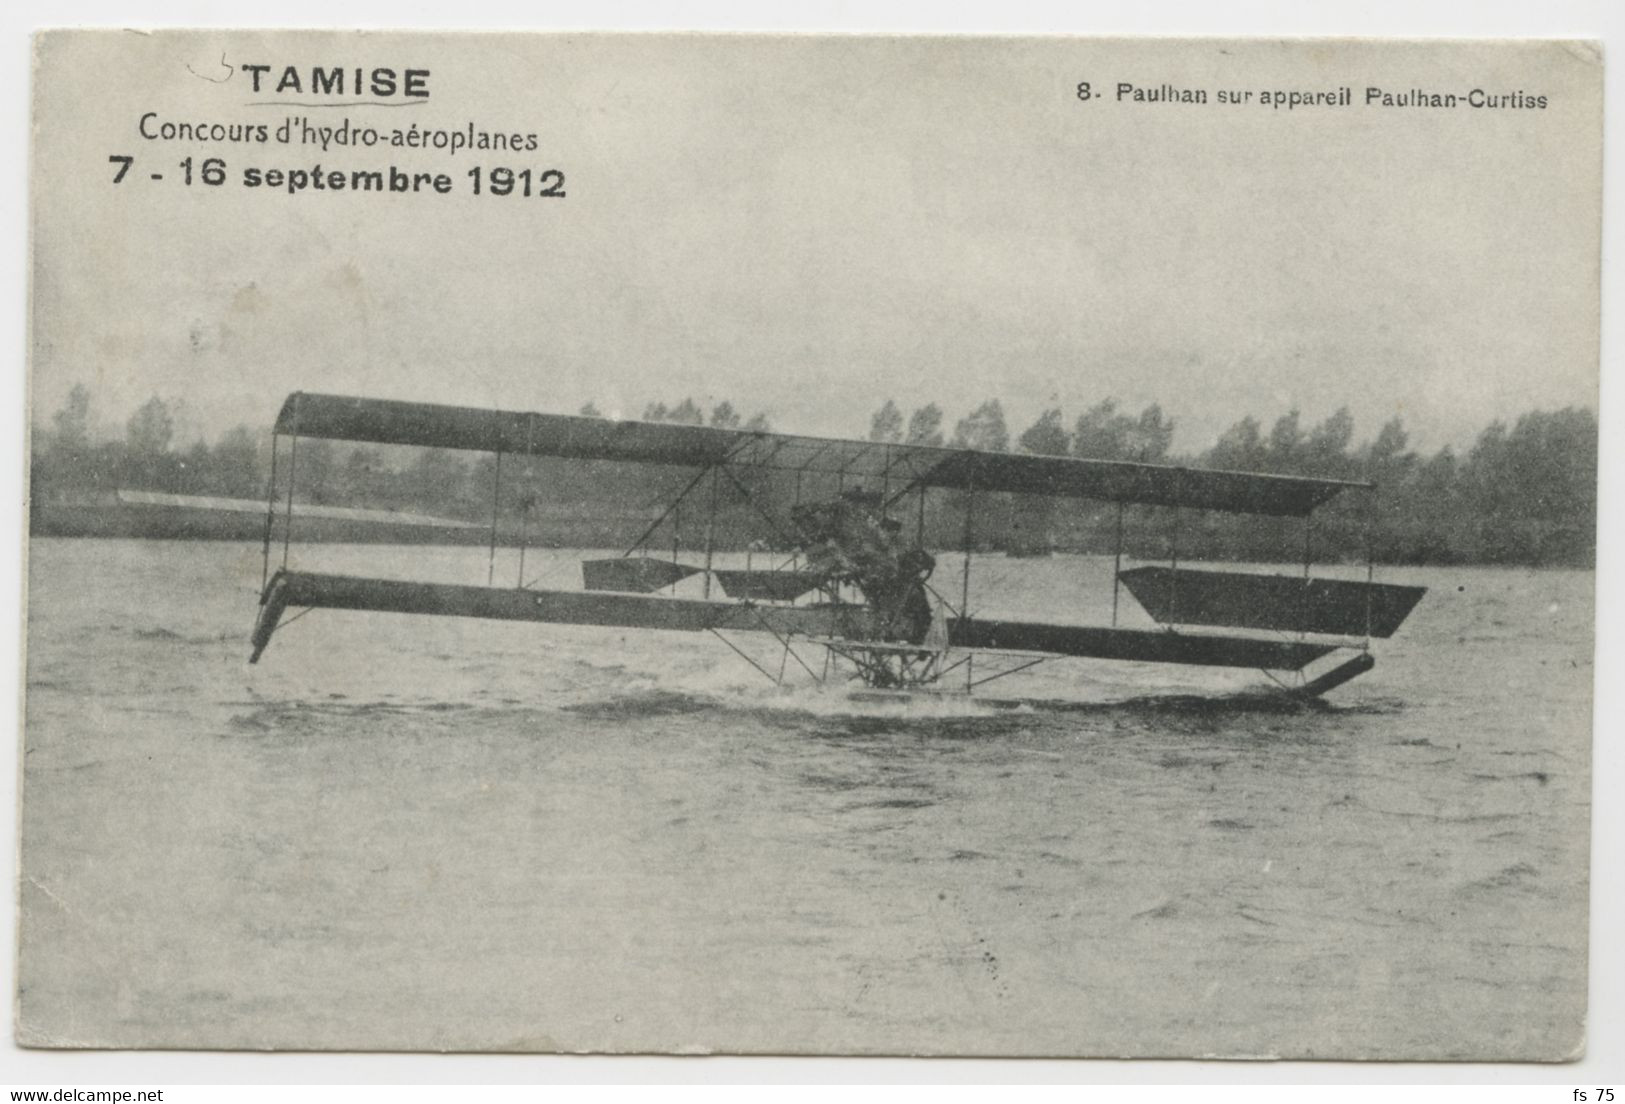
{"type": "Point", "coordinates": [481, 540]}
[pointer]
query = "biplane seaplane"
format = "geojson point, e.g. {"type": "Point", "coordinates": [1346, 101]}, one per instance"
{"type": "Point", "coordinates": [850, 592]}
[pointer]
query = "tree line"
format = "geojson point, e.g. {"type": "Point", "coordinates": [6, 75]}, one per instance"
{"type": "Point", "coordinates": [1523, 493]}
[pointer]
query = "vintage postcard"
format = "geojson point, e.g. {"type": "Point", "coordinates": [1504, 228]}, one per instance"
{"type": "Point", "coordinates": [687, 543]}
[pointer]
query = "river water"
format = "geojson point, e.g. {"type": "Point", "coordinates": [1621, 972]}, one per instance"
{"type": "Point", "coordinates": [408, 833]}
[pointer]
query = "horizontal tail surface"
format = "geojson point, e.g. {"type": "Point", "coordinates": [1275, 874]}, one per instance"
{"type": "Point", "coordinates": [634, 574]}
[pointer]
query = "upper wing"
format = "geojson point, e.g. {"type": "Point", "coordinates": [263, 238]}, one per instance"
{"type": "Point", "coordinates": [898, 466]}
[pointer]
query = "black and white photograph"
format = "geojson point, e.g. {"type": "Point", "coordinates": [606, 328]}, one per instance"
{"type": "Point", "coordinates": [817, 544]}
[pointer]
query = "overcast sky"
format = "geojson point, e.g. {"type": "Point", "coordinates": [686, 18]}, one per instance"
{"type": "Point", "coordinates": [810, 226]}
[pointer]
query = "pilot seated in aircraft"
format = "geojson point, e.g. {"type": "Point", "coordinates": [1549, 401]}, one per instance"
{"type": "Point", "coordinates": [850, 541]}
